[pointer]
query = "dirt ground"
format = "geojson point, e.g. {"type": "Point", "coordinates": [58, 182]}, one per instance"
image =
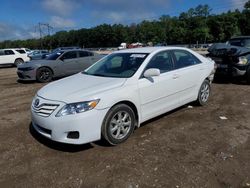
{"type": "Point", "coordinates": [190, 147]}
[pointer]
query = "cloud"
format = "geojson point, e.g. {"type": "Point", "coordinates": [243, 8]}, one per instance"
{"type": "Point", "coordinates": [238, 4]}
{"type": "Point", "coordinates": [60, 7]}
{"type": "Point", "coordinates": [59, 22]}
{"type": "Point", "coordinates": [124, 11]}
{"type": "Point", "coordinates": [13, 32]}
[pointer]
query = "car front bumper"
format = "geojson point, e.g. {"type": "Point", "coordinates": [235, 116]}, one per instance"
{"type": "Point", "coordinates": [234, 70]}
{"type": "Point", "coordinates": [26, 75]}
{"type": "Point", "coordinates": [85, 126]}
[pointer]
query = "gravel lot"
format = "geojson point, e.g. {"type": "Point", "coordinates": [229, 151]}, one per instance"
{"type": "Point", "coordinates": [190, 147]}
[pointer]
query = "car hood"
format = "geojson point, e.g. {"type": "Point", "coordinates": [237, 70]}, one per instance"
{"type": "Point", "coordinates": [37, 62]}
{"type": "Point", "coordinates": [79, 87]}
{"type": "Point", "coordinates": [222, 49]}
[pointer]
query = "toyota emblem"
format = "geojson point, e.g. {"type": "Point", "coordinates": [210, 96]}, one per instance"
{"type": "Point", "coordinates": [36, 103]}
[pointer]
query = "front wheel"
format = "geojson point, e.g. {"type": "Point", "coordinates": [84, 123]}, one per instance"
{"type": "Point", "coordinates": [44, 74]}
{"type": "Point", "coordinates": [118, 124]}
{"type": "Point", "coordinates": [204, 93]}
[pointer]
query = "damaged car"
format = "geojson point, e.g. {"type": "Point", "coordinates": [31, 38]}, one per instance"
{"type": "Point", "coordinates": [232, 58]}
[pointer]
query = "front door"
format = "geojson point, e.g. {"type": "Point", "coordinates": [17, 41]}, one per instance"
{"type": "Point", "coordinates": [158, 94]}
{"type": "Point", "coordinates": [69, 63]}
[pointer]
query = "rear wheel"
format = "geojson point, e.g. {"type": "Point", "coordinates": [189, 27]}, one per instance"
{"type": "Point", "coordinates": [204, 93]}
{"type": "Point", "coordinates": [44, 74]}
{"type": "Point", "coordinates": [118, 124]}
{"type": "Point", "coordinates": [18, 62]}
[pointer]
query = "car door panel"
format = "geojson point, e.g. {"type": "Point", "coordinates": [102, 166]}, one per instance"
{"type": "Point", "coordinates": [83, 63]}
{"type": "Point", "coordinates": [188, 71]}
{"type": "Point", "coordinates": [69, 63]}
{"type": "Point", "coordinates": [69, 66]}
{"type": "Point", "coordinates": [158, 95]}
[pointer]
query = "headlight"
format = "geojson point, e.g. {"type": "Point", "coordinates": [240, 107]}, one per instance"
{"type": "Point", "coordinates": [243, 60]}
{"type": "Point", "coordinates": [75, 108]}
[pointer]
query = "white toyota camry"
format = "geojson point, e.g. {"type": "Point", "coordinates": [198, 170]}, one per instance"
{"type": "Point", "coordinates": [119, 92]}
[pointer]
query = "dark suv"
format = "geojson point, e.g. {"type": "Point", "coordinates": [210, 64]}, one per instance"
{"type": "Point", "coordinates": [232, 58]}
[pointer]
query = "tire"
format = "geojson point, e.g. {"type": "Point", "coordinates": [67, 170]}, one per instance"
{"type": "Point", "coordinates": [44, 74]}
{"type": "Point", "coordinates": [18, 61]}
{"type": "Point", "coordinates": [118, 124]}
{"type": "Point", "coordinates": [204, 93]}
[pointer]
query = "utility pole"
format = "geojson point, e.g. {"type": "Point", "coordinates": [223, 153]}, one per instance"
{"type": "Point", "coordinates": [44, 30]}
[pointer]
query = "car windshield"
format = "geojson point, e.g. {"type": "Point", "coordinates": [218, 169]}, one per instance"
{"type": "Point", "coordinates": [53, 56]}
{"type": "Point", "coordinates": [119, 65]}
{"type": "Point", "coordinates": [240, 42]}
{"type": "Point", "coordinates": [247, 43]}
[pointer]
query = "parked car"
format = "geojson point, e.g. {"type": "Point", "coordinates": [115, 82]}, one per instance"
{"type": "Point", "coordinates": [13, 56]}
{"type": "Point", "coordinates": [59, 64]}
{"type": "Point", "coordinates": [119, 92]}
{"type": "Point", "coordinates": [232, 58]}
{"type": "Point", "coordinates": [38, 54]}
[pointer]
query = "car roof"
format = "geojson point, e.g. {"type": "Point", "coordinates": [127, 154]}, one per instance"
{"type": "Point", "coordinates": [149, 49]}
{"type": "Point", "coordinates": [240, 37]}
{"type": "Point", "coordinates": [71, 50]}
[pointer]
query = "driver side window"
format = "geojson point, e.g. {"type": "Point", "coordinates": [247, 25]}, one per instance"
{"type": "Point", "coordinates": [161, 61]}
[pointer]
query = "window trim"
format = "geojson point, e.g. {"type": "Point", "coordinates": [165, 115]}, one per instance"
{"type": "Point", "coordinates": [171, 58]}
{"type": "Point", "coordinates": [13, 53]}
{"type": "Point", "coordinates": [78, 52]}
{"type": "Point", "coordinates": [62, 56]}
{"type": "Point", "coordinates": [185, 51]}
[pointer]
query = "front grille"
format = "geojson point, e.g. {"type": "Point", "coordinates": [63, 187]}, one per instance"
{"type": "Point", "coordinates": [45, 109]}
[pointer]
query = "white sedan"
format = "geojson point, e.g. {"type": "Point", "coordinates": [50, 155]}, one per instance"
{"type": "Point", "coordinates": [119, 92]}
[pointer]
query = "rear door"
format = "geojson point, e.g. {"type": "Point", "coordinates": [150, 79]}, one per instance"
{"type": "Point", "coordinates": [2, 54]}
{"type": "Point", "coordinates": [188, 73]}
{"type": "Point", "coordinates": [8, 57]}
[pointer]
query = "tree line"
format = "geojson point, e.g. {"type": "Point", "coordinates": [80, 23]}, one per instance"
{"type": "Point", "coordinates": [195, 25]}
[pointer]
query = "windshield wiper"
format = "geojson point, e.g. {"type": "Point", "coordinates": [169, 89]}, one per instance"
{"type": "Point", "coordinates": [98, 75]}
{"type": "Point", "coordinates": [84, 72]}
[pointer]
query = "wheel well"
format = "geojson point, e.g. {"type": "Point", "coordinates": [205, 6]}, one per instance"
{"type": "Point", "coordinates": [131, 105]}
{"type": "Point", "coordinates": [19, 58]}
{"type": "Point", "coordinates": [47, 68]}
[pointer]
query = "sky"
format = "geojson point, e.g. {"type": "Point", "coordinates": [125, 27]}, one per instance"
{"type": "Point", "coordinates": [19, 18]}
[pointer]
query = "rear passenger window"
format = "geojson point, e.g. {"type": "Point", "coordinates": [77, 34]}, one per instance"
{"type": "Point", "coordinates": [21, 51]}
{"type": "Point", "coordinates": [8, 52]}
{"type": "Point", "coordinates": [184, 59]}
{"type": "Point", "coordinates": [161, 61]}
{"type": "Point", "coordinates": [2, 52]}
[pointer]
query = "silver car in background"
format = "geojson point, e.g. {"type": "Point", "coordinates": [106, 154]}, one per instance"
{"type": "Point", "coordinates": [58, 64]}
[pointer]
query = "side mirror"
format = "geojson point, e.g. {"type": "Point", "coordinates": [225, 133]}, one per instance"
{"type": "Point", "coordinates": [151, 73]}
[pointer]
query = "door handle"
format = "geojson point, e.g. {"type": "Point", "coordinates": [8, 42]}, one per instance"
{"type": "Point", "coordinates": [175, 76]}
